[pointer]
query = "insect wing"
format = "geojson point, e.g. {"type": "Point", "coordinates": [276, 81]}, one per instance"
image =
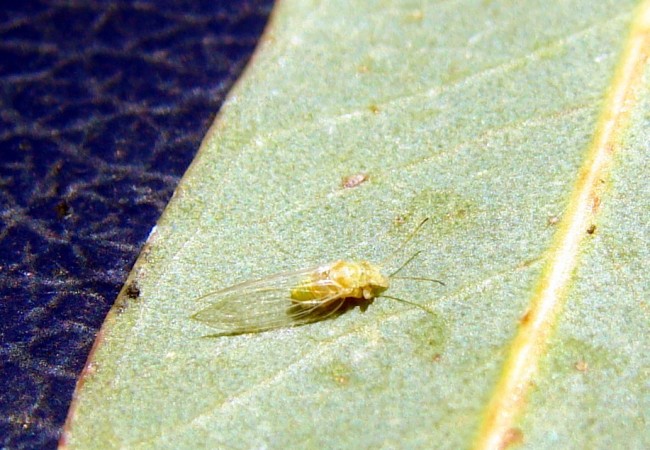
{"type": "Point", "coordinates": [267, 304]}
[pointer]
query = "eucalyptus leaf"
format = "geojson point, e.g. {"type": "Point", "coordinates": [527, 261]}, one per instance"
{"type": "Point", "coordinates": [355, 121]}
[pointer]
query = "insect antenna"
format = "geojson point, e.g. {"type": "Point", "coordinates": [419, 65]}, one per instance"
{"type": "Point", "coordinates": [403, 244]}
{"type": "Point", "coordinates": [406, 263]}
{"type": "Point", "coordinates": [419, 279]}
{"type": "Point", "coordinates": [401, 300]}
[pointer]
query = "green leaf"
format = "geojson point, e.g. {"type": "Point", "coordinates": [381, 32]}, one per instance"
{"type": "Point", "coordinates": [520, 128]}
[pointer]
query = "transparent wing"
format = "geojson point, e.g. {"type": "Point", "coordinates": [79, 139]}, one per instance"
{"type": "Point", "coordinates": [266, 304]}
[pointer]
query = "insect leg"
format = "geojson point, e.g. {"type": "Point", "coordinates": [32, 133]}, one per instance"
{"type": "Point", "coordinates": [424, 308]}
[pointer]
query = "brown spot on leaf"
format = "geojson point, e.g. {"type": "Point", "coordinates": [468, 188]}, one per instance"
{"type": "Point", "coordinates": [513, 436]}
{"type": "Point", "coordinates": [353, 181]}
{"type": "Point", "coordinates": [132, 290]}
{"type": "Point", "coordinates": [596, 204]}
{"type": "Point", "coordinates": [582, 366]}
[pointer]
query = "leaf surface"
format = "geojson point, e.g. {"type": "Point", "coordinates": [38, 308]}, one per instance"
{"type": "Point", "coordinates": [520, 129]}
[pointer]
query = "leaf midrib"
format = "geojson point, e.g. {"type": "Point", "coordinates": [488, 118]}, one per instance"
{"type": "Point", "coordinates": [529, 345]}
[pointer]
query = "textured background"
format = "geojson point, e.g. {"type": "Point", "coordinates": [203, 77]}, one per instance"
{"type": "Point", "coordinates": [102, 107]}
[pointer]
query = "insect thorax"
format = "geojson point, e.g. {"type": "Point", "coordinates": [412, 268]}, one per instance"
{"type": "Point", "coordinates": [342, 279]}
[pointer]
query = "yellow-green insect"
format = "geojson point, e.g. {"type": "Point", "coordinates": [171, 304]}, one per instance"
{"type": "Point", "coordinates": [299, 297]}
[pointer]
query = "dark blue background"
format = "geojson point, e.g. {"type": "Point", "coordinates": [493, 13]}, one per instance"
{"type": "Point", "coordinates": [103, 106]}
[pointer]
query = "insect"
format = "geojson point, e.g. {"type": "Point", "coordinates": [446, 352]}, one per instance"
{"type": "Point", "coordinates": [300, 297]}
